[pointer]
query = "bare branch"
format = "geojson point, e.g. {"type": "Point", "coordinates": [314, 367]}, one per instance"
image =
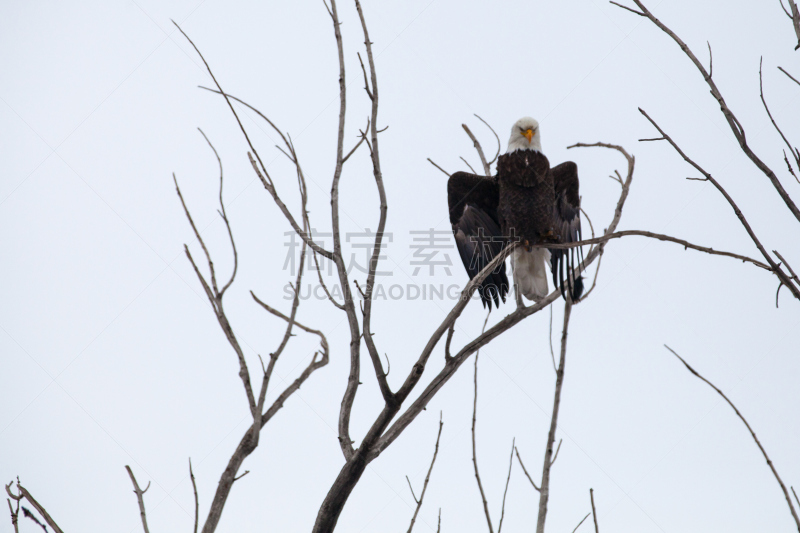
{"type": "Point", "coordinates": [139, 493]}
{"type": "Point", "coordinates": [544, 492]}
{"type": "Point", "coordinates": [628, 9]}
{"type": "Point", "coordinates": [784, 10]}
{"type": "Point", "coordinates": [215, 299]}
{"type": "Point", "coordinates": [657, 236]}
{"type": "Point", "coordinates": [795, 16]}
{"type": "Point", "coordinates": [478, 147]}
{"type": "Point", "coordinates": [388, 395]}
{"type": "Point", "coordinates": [467, 163]}
{"type": "Point", "coordinates": [474, 452]}
{"type": "Point", "coordinates": [789, 166]}
{"type": "Point", "coordinates": [752, 433]}
{"type": "Point", "coordinates": [362, 138]}
{"type": "Point", "coordinates": [734, 124]}
{"type": "Point", "coordinates": [508, 479]}
{"type": "Point", "coordinates": [440, 168]}
{"type": "Point", "coordinates": [345, 442]}
{"type": "Point", "coordinates": [196, 499]}
{"type": "Point", "coordinates": [265, 178]}
{"type": "Point", "coordinates": [23, 493]}
{"type": "Point", "coordinates": [525, 470]}
{"type": "Point", "coordinates": [789, 75]}
{"type": "Point", "coordinates": [763, 100]}
{"type": "Point", "coordinates": [710, 60]}
{"type": "Point", "coordinates": [224, 216]}
{"type": "Point", "coordinates": [14, 515]}
{"type": "Point", "coordinates": [450, 332]}
{"type": "Point", "coordinates": [581, 522]}
{"type": "Point", "coordinates": [495, 136]}
{"type": "Point", "coordinates": [427, 478]}
{"type": "Point", "coordinates": [596, 272]}
{"type": "Point", "coordinates": [779, 256]}
{"type": "Point", "coordinates": [558, 448]}
{"type": "Point", "coordinates": [594, 512]}
{"type": "Point", "coordinates": [550, 338]}
{"type": "Point", "coordinates": [323, 340]}
{"type": "Point", "coordinates": [773, 266]}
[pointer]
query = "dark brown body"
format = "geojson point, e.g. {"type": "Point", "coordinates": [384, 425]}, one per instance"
{"type": "Point", "coordinates": [527, 196]}
{"type": "Point", "coordinates": [526, 201]}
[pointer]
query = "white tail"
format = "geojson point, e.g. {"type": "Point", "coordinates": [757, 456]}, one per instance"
{"type": "Point", "coordinates": [530, 272]}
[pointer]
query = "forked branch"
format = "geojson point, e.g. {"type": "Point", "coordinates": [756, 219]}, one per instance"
{"type": "Point", "coordinates": [22, 493]}
{"type": "Point", "coordinates": [139, 497]}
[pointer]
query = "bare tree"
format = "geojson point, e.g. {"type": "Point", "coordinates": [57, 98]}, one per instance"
{"type": "Point", "coordinates": [399, 409]}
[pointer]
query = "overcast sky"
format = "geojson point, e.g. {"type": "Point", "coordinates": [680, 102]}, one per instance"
{"type": "Point", "coordinates": [111, 355]}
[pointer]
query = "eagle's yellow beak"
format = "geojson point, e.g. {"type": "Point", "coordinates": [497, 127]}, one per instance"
{"type": "Point", "coordinates": [528, 134]}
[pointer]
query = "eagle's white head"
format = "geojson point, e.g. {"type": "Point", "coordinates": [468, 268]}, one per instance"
{"type": "Point", "coordinates": [525, 135]}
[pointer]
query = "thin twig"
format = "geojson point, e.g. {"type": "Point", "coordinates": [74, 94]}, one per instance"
{"type": "Point", "coordinates": [265, 178]}
{"type": "Point", "coordinates": [468, 165]}
{"type": "Point", "coordinates": [440, 168]}
{"type": "Point", "coordinates": [14, 515]}
{"type": "Point", "coordinates": [474, 452]}
{"type": "Point", "coordinates": [478, 147]}
{"type": "Point", "coordinates": [594, 512]}
{"type": "Point", "coordinates": [544, 492]}
{"type": "Point", "coordinates": [772, 265]}
{"type": "Point", "coordinates": [196, 499]}
{"type": "Point", "coordinates": [23, 493]}
{"type": "Point", "coordinates": [139, 497]}
{"type": "Point", "coordinates": [499, 146]}
{"type": "Point", "coordinates": [628, 9]}
{"type": "Point", "coordinates": [790, 76]}
{"type": "Point", "coordinates": [733, 122]}
{"type": "Point", "coordinates": [581, 522]}
{"type": "Point", "coordinates": [427, 477]}
{"type": "Point", "coordinates": [558, 448]}
{"type": "Point", "coordinates": [508, 479]}
{"type": "Point", "coordinates": [785, 140]}
{"type": "Point", "coordinates": [525, 470]}
{"type": "Point", "coordinates": [651, 235]}
{"type": "Point", "coordinates": [752, 433]}
{"type": "Point", "coordinates": [380, 375]}
{"type": "Point", "coordinates": [550, 338]}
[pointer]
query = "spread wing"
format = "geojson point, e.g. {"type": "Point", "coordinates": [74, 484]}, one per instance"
{"type": "Point", "coordinates": [473, 200]}
{"type": "Point", "coordinates": [567, 221]}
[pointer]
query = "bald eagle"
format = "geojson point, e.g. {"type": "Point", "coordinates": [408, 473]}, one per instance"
{"type": "Point", "coordinates": [527, 202]}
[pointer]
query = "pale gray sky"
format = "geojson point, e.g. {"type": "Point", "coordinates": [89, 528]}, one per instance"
{"type": "Point", "coordinates": [112, 356]}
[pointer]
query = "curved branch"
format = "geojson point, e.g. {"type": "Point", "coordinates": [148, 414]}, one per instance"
{"type": "Point", "coordinates": [752, 433]}
{"type": "Point", "coordinates": [499, 146]}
